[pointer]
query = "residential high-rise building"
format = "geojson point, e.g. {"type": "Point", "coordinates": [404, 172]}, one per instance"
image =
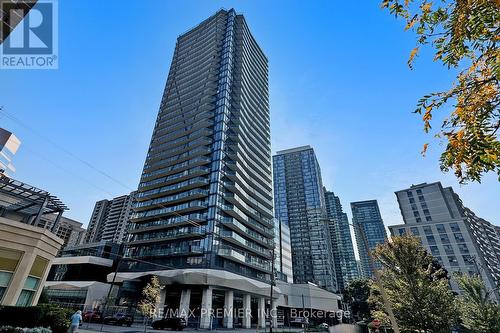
{"type": "Point", "coordinates": [283, 252]}
{"type": "Point", "coordinates": [110, 220]}
{"type": "Point", "coordinates": [300, 204]}
{"type": "Point", "coordinates": [9, 144]}
{"type": "Point", "coordinates": [346, 267]}
{"type": "Point", "coordinates": [70, 231]}
{"type": "Point", "coordinates": [461, 241]}
{"type": "Point", "coordinates": [204, 212]}
{"type": "Point", "coordinates": [369, 231]}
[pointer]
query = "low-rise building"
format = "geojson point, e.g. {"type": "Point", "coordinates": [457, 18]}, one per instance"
{"type": "Point", "coordinates": [26, 250]}
{"type": "Point", "coordinates": [77, 278]}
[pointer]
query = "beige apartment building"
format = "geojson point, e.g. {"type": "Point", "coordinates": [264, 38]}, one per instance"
{"type": "Point", "coordinates": [26, 249]}
{"type": "Point", "coordinates": [26, 253]}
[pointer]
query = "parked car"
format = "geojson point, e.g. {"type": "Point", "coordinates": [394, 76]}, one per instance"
{"type": "Point", "coordinates": [92, 316]}
{"type": "Point", "coordinates": [119, 319]}
{"type": "Point", "coordinates": [176, 324]}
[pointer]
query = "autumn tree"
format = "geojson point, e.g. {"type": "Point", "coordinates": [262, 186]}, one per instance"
{"type": "Point", "coordinates": [148, 306]}
{"type": "Point", "coordinates": [465, 36]}
{"type": "Point", "coordinates": [416, 286]}
{"type": "Point", "coordinates": [479, 313]}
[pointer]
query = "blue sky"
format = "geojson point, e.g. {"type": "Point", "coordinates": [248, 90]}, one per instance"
{"type": "Point", "coordinates": [338, 82]}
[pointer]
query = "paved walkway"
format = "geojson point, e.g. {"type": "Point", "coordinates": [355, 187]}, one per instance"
{"type": "Point", "coordinates": [138, 328]}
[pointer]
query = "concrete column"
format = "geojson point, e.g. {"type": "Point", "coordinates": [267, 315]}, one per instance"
{"type": "Point", "coordinates": [184, 304]}
{"type": "Point", "coordinates": [262, 313]}
{"type": "Point", "coordinates": [161, 304]}
{"type": "Point", "coordinates": [247, 311]}
{"type": "Point", "coordinates": [206, 308]}
{"type": "Point", "coordinates": [274, 313]}
{"type": "Point", "coordinates": [228, 309]}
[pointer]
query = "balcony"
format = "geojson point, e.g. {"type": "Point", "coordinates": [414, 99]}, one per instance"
{"type": "Point", "coordinates": [234, 255]}
{"type": "Point", "coordinates": [192, 250]}
{"type": "Point", "coordinates": [154, 237]}
{"type": "Point", "coordinates": [168, 223]}
{"type": "Point", "coordinates": [168, 200]}
{"type": "Point", "coordinates": [234, 238]}
{"type": "Point", "coordinates": [234, 224]}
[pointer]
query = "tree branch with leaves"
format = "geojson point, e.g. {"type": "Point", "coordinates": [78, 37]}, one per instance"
{"type": "Point", "coordinates": [465, 35]}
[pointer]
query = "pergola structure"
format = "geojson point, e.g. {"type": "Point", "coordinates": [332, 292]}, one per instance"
{"type": "Point", "coordinates": [27, 200]}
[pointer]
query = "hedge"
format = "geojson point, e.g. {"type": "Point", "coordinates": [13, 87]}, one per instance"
{"type": "Point", "coordinates": [45, 315]}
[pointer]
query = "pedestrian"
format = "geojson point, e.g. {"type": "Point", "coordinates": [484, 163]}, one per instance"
{"type": "Point", "coordinates": [76, 318]}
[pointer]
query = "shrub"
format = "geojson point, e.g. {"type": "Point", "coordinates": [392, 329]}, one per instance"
{"type": "Point", "coordinates": [37, 317]}
{"type": "Point", "coordinates": [10, 329]}
{"type": "Point", "coordinates": [20, 316]}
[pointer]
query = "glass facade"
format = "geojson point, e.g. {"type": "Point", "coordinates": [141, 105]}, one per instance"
{"type": "Point", "coordinates": [346, 267]}
{"type": "Point", "coordinates": [369, 230]}
{"type": "Point", "coordinates": [205, 195]}
{"type": "Point", "coordinates": [300, 205]}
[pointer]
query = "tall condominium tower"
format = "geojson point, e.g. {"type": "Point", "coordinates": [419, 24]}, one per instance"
{"type": "Point", "coordinates": [110, 220]}
{"type": "Point", "coordinates": [204, 215]}
{"type": "Point", "coordinates": [461, 241]}
{"type": "Point", "coordinates": [300, 203]}
{"type": "Point", "coordinates": [369, 231]}
{"type": "Point", "coordinates": [346, 267]}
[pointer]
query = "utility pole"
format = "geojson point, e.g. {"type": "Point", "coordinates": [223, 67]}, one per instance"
{"type": "Point", "coordinates": [109, 292]}
{"type": "Point", "coordinates": [376, 274]}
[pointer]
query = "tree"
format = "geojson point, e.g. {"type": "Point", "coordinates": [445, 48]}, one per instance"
{"type": "Point", "coordinates": [416, 287]}
{"type": "Point", "coordinates": [356, 295]}
{"type": "Point", "coordinates": [464, 34]}
{"type": "Point", "coordinates": [148, 306]}
{"type": "Point", "coordinates": [478, 312]}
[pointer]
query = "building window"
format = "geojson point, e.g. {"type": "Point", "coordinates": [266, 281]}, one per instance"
{"type": "Point", "coordinates": [419, 191]}
{"type": "Point", "coordinates": [463, 248]}
{"type": "Point", "coordinates": [427, 230]}
{"type": "Point", "coordinates": [440, 228]}
{"type": "Point", "coordinates": [448, 249]}
{"type": "Point", "coordinates": [402, 231]}
{"type": "Point", "coordinates": [468, 259]}
{"type": "Point", "coordinates": [431, 239]}
{"type": "Point", "coordinates": [29, 290]}
{"type": "Point", "coordinates": [418, 219]}
{"type": "Point", "coordinates": [409, 194]}
{"type": "Point", "coordinates": [9, 259]}
{"type": "Point", "coordinates": [414, 231]}
{"type": "Point", "coordinates": [453, 261]}
{"type": "Point", "coordinates": [459, 237]}
{"type": "Point", "coordinates": [428, 218]}
{"type": "Point", "coordinates": [4, 282]}
{"type": "Point", "coordinates": [32, 282]}
{"type": "Point", "coordinates": [454, 227]}
{"type": "Point", "coordinates": [434, 250]}
{"type": "Point", "coordinates": [412, 201]}
{"type": "Point", "coordinates": [444, 238]}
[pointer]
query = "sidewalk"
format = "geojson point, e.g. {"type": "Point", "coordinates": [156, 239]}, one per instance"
{"type": "Point", "coordinates": [137, 328]}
